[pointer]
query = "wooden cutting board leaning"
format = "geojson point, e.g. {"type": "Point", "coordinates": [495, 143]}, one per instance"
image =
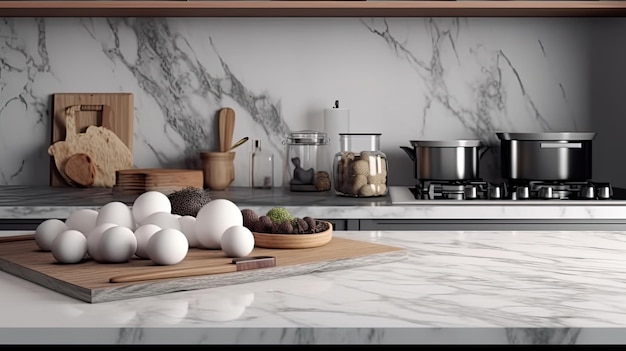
{"type": "Point", "coordinates": [84, 157]}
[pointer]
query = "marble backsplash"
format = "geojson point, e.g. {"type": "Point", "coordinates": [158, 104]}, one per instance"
{"type": "Point", "coordinates": [407, 78]}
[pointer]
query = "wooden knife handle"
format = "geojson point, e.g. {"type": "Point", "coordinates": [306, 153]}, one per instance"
{"type": "Point", "coordinates": [238, 264]}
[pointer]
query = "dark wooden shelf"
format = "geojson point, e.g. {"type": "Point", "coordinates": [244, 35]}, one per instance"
{"type": "Point", "coordinates": [295, 8]}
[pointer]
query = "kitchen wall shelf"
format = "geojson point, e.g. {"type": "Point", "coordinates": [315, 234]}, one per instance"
{"type": "Point", "coordinates": [296, 8]}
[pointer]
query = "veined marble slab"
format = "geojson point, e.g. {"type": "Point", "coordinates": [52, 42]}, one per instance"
{"type": "Point", "coordinates": [22, 202]}
{"type": "Point", "coordinates": [456, 287]}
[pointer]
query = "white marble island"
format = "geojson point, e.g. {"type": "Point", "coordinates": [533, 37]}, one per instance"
{"type": "Point", "coordinates": [454, 287]}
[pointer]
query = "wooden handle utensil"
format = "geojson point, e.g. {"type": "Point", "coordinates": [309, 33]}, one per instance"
{"type": "Point", "coordinates": [8, 239]}
{"type": "Point", "coordinates": [226, 124]}
{"type": "Point", "coordinates": [239, 143]}
{"type": "Point", "coordinates": [238, 264]}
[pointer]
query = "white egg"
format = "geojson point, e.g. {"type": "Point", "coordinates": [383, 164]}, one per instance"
{"type": "Point", "coordinates": [149, 203]}
{"type": "Point", "coordinates": [237, 241]}
{"type": "Point", "coordinates": [143, 234]}
{"type": "Point", "coordinates": [213, 219]}
{"type": "Point", "coordinates": [118, 213]}
{"type": "Point", "coordinates": [168, 246]}
{"type": "Point", "coordinates": [69, 246]}
{"type": "Point", "coordinates": [93, 240]}
{"type": "Point", "coordinates": [46, 231]}
{"type": "Point", "coordinates": [163, 220]}
{"type": "Point", "coordinates": [117, 244]}
{"type": "Point", "coordinates": [188, 227]}
{"type": "Point", "coordinates": [82, 220]}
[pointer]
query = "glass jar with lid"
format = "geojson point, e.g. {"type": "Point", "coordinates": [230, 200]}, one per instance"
{"type": "Point", "coordinates": [308, 161]}
{"type": "Point", "coordinates": [360, 168]}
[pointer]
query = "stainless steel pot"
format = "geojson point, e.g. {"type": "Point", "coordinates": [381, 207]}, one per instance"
{"type": "Point", "coordinates": [546, 156]}
{"type": "Point", "coordinates": [445, 159]}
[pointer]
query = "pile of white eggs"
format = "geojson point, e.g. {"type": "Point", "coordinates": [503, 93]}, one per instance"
{"type": "Point", "coordinates": [148, 230]}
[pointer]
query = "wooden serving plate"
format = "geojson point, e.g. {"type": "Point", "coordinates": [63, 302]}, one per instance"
{"type": "Point", "coordinates": [293, 241]}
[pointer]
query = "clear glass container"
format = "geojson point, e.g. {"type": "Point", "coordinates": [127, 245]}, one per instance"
{"type": "Point", "coordinates": [308, 162]}
{"type": "Point", "coordinates": [261, 167]}
{"type": "Point", "coordinates": [360, 168]}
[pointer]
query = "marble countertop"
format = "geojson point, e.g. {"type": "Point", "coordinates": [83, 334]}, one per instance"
{"type": "Point", "coordinates": [454, 287]}
{"type": "Point", "coordinates": [41, 202]}
{"type": "Point", "coordinates": [35, 202]}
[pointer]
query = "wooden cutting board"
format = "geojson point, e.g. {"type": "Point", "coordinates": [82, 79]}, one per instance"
{"type": "Point", "coordinates": [165, 180]}
{"type": "Point", "coordinates": [121, 111]}
{"type": "Point", "coordinates": [90, 281]}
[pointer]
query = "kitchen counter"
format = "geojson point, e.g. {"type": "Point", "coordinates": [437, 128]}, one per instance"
{"type": "Point", "coordinates": [395, 211]}
{"type": "Point", "coordinates": [454, 287]}
{"type": "Point", "coordinates": [59, 202]}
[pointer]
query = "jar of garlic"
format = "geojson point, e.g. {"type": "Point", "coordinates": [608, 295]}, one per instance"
{"type": "Point", "coordinates": [360, 168]}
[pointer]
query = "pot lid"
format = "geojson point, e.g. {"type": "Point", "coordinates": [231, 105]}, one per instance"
{"type": "Point", "coordinates": [307, 137]}
{"type": "Point", "coordinates": [565, 136]}
{"type": "Point", "coordinates": [446, 143]}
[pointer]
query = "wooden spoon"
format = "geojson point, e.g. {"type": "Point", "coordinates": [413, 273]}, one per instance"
{"type": "Point", "coordinates": [226, 128]}
{"type": "Point", "coordinates": [11, 238]}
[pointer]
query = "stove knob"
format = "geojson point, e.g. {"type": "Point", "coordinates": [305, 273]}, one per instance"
{"type": "Point", "coordinates": [545, 192]}
{"type": "Point", "coordinates": [588, 192]}
{"type": "Point", "coordinates": [495, 192]}
{"type": "Point", "coordinates": [604, 192]}
{"type": "Point", "coordinates": [470, 192]}
{"type": "Point", "coordinates": [522, 192]}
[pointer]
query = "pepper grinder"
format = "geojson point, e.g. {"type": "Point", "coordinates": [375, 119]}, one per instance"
{"type": "Point", "coordinates": [261, 167]}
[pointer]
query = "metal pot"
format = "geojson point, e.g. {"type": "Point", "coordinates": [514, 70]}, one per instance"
{"type": "Point", "coordinates": [445, 159]}
{"type": "Point", "coordinates": [546, 156]}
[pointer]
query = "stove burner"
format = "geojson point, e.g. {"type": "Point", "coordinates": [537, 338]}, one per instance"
{"type": "Point", "coordinates": [513, 190]}
{"type": "Point", "coordinates": [456, 190]}
{"type": "Point", "coordinates": [561, 190]}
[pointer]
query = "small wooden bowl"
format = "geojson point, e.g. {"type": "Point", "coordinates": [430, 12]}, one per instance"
{"type": "Point", "coordinates": [293, 241]}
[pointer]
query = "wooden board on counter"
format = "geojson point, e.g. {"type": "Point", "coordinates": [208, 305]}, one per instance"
{"type": "Point", "coordinates": [120, 108]}
{"type": "Point", "coordinates": [89, 281]}
{"type": "Point", "coordinates": [165, 180]}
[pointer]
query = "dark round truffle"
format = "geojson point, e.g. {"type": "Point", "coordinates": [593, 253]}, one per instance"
{"type": "Point", "coordinates": [301, 226]}
{"type": "Point", "coordinates": [311, 222]}
{"type": "Point", "coordinates": [283, 228]}
{"type": "Point", "coordinates": [188, 201]}
{"type": "Point", "coordinates": [265, 224]}
{"type": "Point", "coordinates": [250, 218]}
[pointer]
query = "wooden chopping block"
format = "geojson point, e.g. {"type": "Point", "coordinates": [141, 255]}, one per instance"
{"type": "Point", "coordinates": [80, 169]}
{"type": "Point", "coordinates": [105, 148]}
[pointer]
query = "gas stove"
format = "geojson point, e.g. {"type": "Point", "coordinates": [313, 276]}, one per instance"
{"type": "Point", "coordinates": [510, 192]}
{"type": "Point", "coordinates": [480, 205]}
{"type": "Point", "coordinates": [517, 190]}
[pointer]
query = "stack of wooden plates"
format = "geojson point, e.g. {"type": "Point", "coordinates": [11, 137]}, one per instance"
{"type": "Point", "coordinates": [165, 180]}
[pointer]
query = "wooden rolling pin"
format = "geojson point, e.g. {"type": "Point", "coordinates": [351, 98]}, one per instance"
{"type": "Point", "coordinates": [8, 239]}
{"type": "Point", "coordinates": [239, 264]}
